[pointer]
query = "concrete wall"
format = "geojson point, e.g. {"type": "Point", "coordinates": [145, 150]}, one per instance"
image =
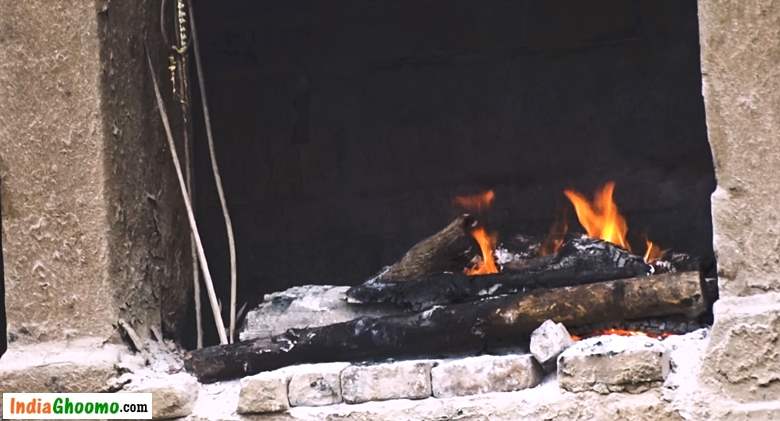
{"type": "Point", "coordinates": [85, 239]}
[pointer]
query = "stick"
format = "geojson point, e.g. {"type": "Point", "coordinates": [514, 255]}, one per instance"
{"type": "Point", "coordinates": [217, 176]}
{"type": "Point", "coordinates": [188, 206]}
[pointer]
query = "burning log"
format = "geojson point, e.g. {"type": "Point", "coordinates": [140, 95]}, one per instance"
{"type": "Point", "coordinates": [444, 251]}
{"type": "Point", "coordinates": [457, 328]}
{"type": "Point", "coordinates": [580, 261]}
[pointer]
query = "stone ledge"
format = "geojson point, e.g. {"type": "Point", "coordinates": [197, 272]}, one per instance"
{"type": "Point", "coordinates": [484, 374]}
{"type": "Point", "coordinates": [79, 366]}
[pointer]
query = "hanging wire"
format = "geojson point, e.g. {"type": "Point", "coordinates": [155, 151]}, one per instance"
{"type": "Point", "coordinates": [187, 205]}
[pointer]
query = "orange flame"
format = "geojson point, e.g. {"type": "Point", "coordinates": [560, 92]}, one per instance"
{"type": "Point", "coordinates": [487, 243]}
{"type": "Point", "coordinates": [600, 218]}
{"type": "Point", "coordinates": [476, 202]}
{"type": "Point", "coordinates": [653, 252]}
{"type": "Point", "coordinates": [555, 237]}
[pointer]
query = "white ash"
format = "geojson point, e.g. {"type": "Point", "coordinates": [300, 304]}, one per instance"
{"type": "Point", "coordinates": [305, 306]}
{"type": "Point", "coordinates": [504, 256]}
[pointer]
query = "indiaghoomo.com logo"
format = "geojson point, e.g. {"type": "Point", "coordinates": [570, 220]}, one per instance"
{"type": "Point", "coordinates": [116, 406]}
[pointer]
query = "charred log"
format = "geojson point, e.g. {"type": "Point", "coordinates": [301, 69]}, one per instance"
{"type": "Point", "coordinates": [457, 328]}
{"type": "Point", "coordinates": [447, 250]}
{"type": "Point", "coordinates": [580, 261]}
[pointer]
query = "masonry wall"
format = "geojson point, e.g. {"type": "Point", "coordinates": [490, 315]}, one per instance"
{"type": "Point", "coordinates": [740, 57]}
{"type": "Point", "coordinates": [90, 220]}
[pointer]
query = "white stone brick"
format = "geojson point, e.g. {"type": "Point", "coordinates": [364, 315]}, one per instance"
{"type": "Point", "coordinates": [613, 364]}
{"type": "Point", "coordinates": [484, 374]}
{"type": "Point", "coordinates": [264, 392]}
{"type": "Point", "coordinates": [394, 380]}
{"type": "Point", "coordinates": [316, 384]}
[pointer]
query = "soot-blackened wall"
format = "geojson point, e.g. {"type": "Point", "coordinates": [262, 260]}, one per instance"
{"type": "Point", "coordinates": [345, 128]}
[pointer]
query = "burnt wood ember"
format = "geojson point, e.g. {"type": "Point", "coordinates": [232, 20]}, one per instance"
{"type": "Point", "coordinates": [447, 250]}
{"type": "Point", "coordinates": [457, 328]}
{"type": "Point", "coordinates": [579, 261]}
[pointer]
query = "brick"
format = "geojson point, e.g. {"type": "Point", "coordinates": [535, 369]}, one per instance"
{"type": "Point", "coordinates": [395, 380]}
{"type": "Point", "coordinates": [316, 384]}
{"type": "Point", "coordinates": [613, 364]}
{"type": "Point", "coordinates": [484, 374]}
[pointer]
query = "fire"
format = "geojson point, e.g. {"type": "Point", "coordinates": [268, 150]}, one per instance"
{"type": "Point", "coordinates": [653, 252]}
{"type": "Point", "coordinates": [487, 243]}
{"type": "Point", "coordinates": [600, 217]}
{"type": "Point", "coordinates": [555, 237]}
{"type": "Point", "coordinates": [621, 332]}
{"type": "Point", "coordinates": [477, 202]}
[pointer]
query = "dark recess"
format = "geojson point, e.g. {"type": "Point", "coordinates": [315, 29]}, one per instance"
{"type": "Point", "coordinates": [345, 128]}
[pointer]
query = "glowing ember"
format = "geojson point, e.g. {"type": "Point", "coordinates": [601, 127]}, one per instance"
{"type": "Point", "coordinates": [600, 218]}
{"type": "Point", "coordinates": [621, 332]}
{"type": "Point", "coordinates": [653, 252]}
{"type": "Point", "coordinates": [477, 202]}
{"type": "Point", "coordinates": [487, 243]}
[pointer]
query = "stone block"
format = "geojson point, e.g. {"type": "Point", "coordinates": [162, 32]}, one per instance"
{"type": "Point", "coordinates": [484, 374]}
{"type": "Point", "coordinates": [316, 384]}
{"type": "Point", "coordinates": [173, 395]}
{"type": "Point", "coordinates": [264, 392]}
{"type": "Point", "coordinates": [548, 341]}
{"type": "Point", "coordinates": [613, 364]}
{"type": "Point", "coordinates": [395, 380]}
{"type": "Point", "coordinates": [743, 355]}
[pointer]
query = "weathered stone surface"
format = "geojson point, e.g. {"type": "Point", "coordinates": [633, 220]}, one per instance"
{"type": "Point", "coordinates": [740, 46]}
{"type": "Point", "coordinates": [541, 403]}
{"type": "Point", "coordinates": [173, 395]}
{"type": "Point", "coordinates": [264, 392]}
{"type": "Point", "coordinates": [548, 341]}
{"type": "Point", "coordinates": [483, 374]}
{"type": "Point", "coordinates": [305, 306]}
{"type": "Point", "coordinates": [59, 367]}
{"type": "Point", "coordinates": [316, 384]}
{"type": "Point", "coordinates": [394, 380]}
{"type": "Point", "coordinates": [82, 169]}
{"type": "Point", "coordinates": [613, 364]}
{"type": "Point", "coordinates": [743, 356]}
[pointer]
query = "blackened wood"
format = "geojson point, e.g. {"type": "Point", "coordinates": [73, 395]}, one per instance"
{"type": "Point", "coordinates": [458, 328]}
{"type": "Point", "coordinates": [580, 261]}
{"type": "Point", "coordinates": [447, 250]}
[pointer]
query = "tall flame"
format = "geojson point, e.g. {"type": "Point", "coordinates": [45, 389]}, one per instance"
{"type": "Point", "coordinates": [600, 217]}
{"type": "Point", "coordinates": [487, 243]}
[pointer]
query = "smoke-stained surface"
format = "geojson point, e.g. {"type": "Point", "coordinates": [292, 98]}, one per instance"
{"type": "Point", "coordinates": [345, 130]}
